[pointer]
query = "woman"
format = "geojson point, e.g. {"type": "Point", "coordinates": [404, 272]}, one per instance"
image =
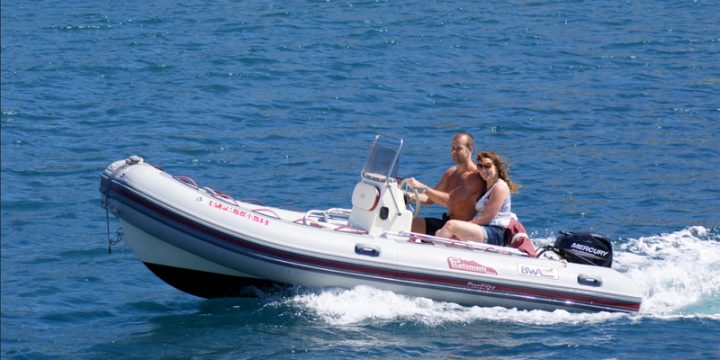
{"type": "Point", "coordinates": [493, 207]}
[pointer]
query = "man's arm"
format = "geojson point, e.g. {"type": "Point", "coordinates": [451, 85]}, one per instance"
{"type": "Point", "coordinates": [461, 201]}
{"type": "Point", "coordinates": [436, 195]}
{"type": "Point", "coordinates": [441, 192]}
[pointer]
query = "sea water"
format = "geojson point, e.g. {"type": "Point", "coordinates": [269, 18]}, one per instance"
{"type": "Point", "coordinates": [607, 112]}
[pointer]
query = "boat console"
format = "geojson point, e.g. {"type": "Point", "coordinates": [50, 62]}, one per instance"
{"type": "Point", "coordinates": [378, 204]}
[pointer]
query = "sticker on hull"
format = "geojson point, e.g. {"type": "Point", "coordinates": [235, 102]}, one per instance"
{"type": "Point", "coordinates": [539, 271]}
{"type": "Point", "coordinates": [241, 213]}
{"type": "Point", "coordinates": [456, 263]}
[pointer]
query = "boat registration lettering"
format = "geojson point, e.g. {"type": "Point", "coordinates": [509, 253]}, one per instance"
{"type": "Point", "coordinates": [456, 263]}
{"type": "Point", "coordinates": [539, 271]}
{"type": "Point", "coordinates": [241, 213]}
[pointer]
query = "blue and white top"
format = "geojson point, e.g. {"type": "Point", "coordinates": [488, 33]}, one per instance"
{"type": "Point", "coordinates": [504, 214]}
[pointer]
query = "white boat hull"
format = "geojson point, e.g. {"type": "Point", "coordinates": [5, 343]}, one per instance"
{"type": "Point", "coordinates": [177, 229]}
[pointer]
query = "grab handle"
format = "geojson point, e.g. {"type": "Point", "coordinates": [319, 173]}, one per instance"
{"type": "Point", "coordinates": [367, 250]}
{"type": "Point", "coordinates": [588, 280]}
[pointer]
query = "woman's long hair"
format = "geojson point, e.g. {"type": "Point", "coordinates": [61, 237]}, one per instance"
{"type": "Point", "coordinates": [501, 166]}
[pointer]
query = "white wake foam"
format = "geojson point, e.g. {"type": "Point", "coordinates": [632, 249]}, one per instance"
{"type": "Point", "coordinates": [680, 271]}
{"type": "Point", "coordinates": [364, 304]}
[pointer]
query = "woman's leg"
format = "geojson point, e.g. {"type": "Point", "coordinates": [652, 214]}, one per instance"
{"type": "Point", "coordinates": [462, 230]}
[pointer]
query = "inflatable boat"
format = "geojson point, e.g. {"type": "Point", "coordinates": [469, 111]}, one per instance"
{"type": "Point", "coordinates": [208, 244]}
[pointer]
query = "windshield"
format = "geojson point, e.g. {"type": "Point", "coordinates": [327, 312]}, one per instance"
{"type": "Point", "coordinates": [383, 158]}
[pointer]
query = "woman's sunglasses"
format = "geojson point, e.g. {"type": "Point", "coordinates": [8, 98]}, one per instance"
{"type": "Point", "coordinates": [487, 166]}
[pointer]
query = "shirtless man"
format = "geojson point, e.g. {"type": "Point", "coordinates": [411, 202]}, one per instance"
{"type": "Point", "coordinates": [457, 190]}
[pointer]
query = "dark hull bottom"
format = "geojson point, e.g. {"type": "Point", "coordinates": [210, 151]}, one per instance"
{"type": "Point", "coordinates": [211, 285]}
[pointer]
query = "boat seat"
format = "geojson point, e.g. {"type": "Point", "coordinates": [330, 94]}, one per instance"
{"type": "Point", "coordinates": [365, 196]}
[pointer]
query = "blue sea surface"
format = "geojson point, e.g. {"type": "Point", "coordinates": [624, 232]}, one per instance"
{"type": "Point", "coordinates": [608, 113]}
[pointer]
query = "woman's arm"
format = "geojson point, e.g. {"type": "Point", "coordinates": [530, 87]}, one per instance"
{"type": "Point", "coordinates": [495, 201]}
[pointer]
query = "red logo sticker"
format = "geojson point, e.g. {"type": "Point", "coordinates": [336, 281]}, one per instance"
{"type": "Point", "coordinates": [469, 265]}
{"type": "Point", "coordinates": [244, 214]}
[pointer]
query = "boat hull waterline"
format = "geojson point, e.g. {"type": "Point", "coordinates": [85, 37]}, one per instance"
{"type": "Point", "coordinates": [210, 245]}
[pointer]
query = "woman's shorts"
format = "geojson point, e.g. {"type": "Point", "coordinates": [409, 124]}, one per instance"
{"type": "Point", "coordinates": [494, 235]}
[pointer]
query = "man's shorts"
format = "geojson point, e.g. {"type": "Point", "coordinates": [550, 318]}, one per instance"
{"type": "Point", "coordinates": [434, 224]}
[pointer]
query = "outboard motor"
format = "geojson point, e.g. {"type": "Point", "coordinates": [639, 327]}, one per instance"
{"type": "Point", "coordinates": [584, 248]}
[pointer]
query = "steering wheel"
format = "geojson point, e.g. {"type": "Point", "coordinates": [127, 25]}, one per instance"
{"type": "Point", "coordinates": [404, 187]}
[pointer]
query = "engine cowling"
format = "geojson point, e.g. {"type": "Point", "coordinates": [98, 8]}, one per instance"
{"type": "Point", "coordinates": [584, 248]}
